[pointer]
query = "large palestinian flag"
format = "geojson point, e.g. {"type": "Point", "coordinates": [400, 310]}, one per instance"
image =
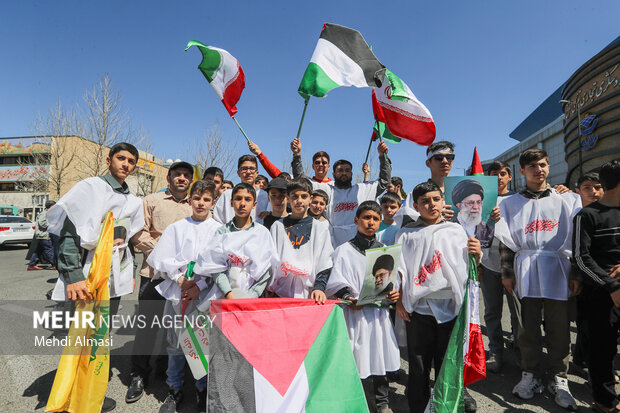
{"type": "Point", "coordinates": [281, 355]}
{"type": "Point", "coordinates": [224, 74]}
{"type": "Point", "coordinates": [404, 115]}
{"type": "Point", "coordinates": [341, 58]}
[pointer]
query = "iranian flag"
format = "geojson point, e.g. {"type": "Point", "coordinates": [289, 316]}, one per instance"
{"type": "Point", "coordinates": [403, 114]}
{"type": "Point", "coordinates": [464, 362]}
{"type": "Point", "coordinates": [224, 74]}
{"type": "Point", "coordinates": [341, 58]}
{"type": "Point", "coordinates": [380, 130]}
{"type": "Point", "coordinates": [281, 355]}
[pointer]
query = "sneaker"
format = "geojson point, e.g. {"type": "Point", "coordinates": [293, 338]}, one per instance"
{"type": "Point", "coordinates": [135, 390]}
{"type": "Point", "coordinates": [34, 268]}
{"type": "Point", "coordinates": [559, 388]}
{"type": "Point", "coordinates": [109, 404]}
{"type": "Point", "coordinates": [201, 400]}
{"type": "Point", "coordinates": [470, 404]}
{"type": "Point", "coordinates": [494, 363]}
{"type": "Point", "coordinates": [528, 386]}
{"type": "Point", "coordinates": [173, 400]}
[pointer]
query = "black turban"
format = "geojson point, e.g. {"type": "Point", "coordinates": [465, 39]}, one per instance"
{"type": "Point", "coordinates": [466, 188]}
{"type": "Point", "coordinates": [385, 261]}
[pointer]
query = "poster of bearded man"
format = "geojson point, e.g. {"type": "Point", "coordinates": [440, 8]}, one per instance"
{"type": "Point", "coordinates": [472, 199]}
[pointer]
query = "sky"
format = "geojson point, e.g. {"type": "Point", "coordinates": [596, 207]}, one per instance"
{"type": "Point", "coordinates": [480, 67]}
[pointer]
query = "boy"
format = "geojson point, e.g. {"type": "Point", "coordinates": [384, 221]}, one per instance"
{"type": "Point", "coordinates": [319, 202]}
{"type": "Point", "coordinates": [491, 282]}
{"type": "Point", "coordinates": [396, 186]}
{"type": "Point", "coordinates": [370, 330]}
{"type": "Point", "coordinates": [589, 188]}
{"type": "Point", "coordinates": [261, 182]}
{"type": "Point", "coordinates": [226, 185]}
{"type": "Point", "coordinates": [433, 268]}
{"type": "Point", "coordinates": [247, 170]}
{"type": "Point", "coordinates": [596, 253]}
{"type": "Point", "coordinates": [390, 204]}
{"type": "Point", "coordinates": [276, 190]}
{"type": "Point", "coordinates": [239, 262]}
{"type": "Point", "coordinates": [179, 245]}
{"type": "Point", "coordinates": [303, 246]}
{"type": "Point", "coordinates": [215, 175]}
{"type": "Point", "coordinates": [535, 237]}
{"type": "Point", "coordinates": [320, 166]}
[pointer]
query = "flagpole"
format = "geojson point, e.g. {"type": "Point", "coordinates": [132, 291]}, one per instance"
{"type": "Point", "coordinates": [370, 144]}
{"type": "Point", "coordinates": [303, 115]}
{"type": "Point", "coordinates": [241, 129]}
{"type": "Point", "coordinates": [381, 138]}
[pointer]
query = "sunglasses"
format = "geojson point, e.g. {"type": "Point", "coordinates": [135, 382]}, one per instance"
{"type": "Point", "coordinates": [449, 157]}
{"type": "Point", "coordinates": [321, 162]}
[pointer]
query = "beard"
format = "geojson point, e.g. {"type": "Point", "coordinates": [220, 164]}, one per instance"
{"type": "Point", "coordinates": [470, 218]}
{"type": "Point", "coordinates": [344, 182]}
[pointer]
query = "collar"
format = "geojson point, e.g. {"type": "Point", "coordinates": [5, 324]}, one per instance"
{"type": "Point", "coordinates": [233, 228]}
{"type": "Point", "coordinates": [418, 223]}
{"type": "Point", "coordinates": [324, 181]}
{"type": "Point", "coordinates": [363, 243]}
{"type": "Point", "coordinates": [123, 189]}
{"type": "Point", "coordinates": [168, 195]}
{"type": "Point", "coordinates": [526, 192]}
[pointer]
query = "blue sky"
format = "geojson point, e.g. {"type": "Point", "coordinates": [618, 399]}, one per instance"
{"type": "Point", "coordinates": [480, 67]}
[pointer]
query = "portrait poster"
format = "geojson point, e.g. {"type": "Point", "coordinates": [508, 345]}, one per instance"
{"type": "Point", "coordinates": [380, 274]}
{"type": "Point", "coordinates": [472, 199]}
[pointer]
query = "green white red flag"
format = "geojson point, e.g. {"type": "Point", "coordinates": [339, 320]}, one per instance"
{"type": "Point", "coordinates": [476, 165]}
{"type": "Point", "coordinates": [341, 58]}
{"type": "Point", "coordinates": [281, 355]}
{"type": "Point", "coordinates": [380, 129]}
{"type": "Point", "coordinates": [224, 74]}
{"type": "Point", "coordinates": [404, 115]}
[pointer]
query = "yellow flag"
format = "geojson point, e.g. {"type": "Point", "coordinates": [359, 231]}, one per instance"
{"type": "Point", "coordinates": [82, 377]}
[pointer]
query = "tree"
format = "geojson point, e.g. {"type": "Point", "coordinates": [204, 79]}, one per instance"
{"type": "Point", "coordinates": [214, 150]}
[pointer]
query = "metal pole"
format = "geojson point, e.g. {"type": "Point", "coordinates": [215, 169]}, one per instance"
{"type": "Point", "coordinates": [241, 129]}
{"type": "Point", "coordinates": [579, 131]}
{"type": "Point", "coordinates": [303, 115]}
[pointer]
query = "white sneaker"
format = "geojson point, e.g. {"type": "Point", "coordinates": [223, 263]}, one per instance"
{"type": "Point", "coordinates": [528, 386]}
{"type": "Point", "coordinates": [563, 398]}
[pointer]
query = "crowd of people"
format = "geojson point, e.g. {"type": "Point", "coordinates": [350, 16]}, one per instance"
{"type": "Point", "coordinates": [307, 237]}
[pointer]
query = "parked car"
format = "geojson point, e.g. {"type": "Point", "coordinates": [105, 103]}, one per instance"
{"type": "Point", "coordinates": [16, 230]}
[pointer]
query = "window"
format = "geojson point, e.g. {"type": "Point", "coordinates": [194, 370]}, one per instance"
{"type": "Point", "coordinates": [9, 220]}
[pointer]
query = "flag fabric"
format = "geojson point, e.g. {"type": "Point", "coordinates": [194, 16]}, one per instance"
{"type": "Point", "coordinates": [476, 165]}
{"type": "Point", "coordinates": [223, 72]}
{"type": "Point", "coordinates": [281, 355]}
{"type": "Point", "coordinates": [464, 362]}
{"type": "Point", "coordinates": [404, 115]}
{"type": "Point", "coordinates": [81, 379]}
{"type": "Point", "coordinates": [341, 58]}
{"type": "Point", "coordinates": [380, 130]}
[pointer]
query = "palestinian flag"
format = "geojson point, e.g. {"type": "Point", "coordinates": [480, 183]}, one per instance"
{"type": "Point", "coordinates": [281, 355]}
{"type": "Point", "coordinates": [464, 362]}
{"type": "Point", "coordinates": [476, 165]}
{"type": "Point", "coordinates": [224, 74]}
{"type": "Point", "coordinates": [404, 115]}
{"type": "Point", "coordinates": [341, 58]}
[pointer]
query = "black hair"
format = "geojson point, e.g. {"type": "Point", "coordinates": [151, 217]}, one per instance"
{"type": "Point", "coordinates": [322, 194]}
{"type": "Point", "coordinates": [261, 178]}
{"type": "Point", "coordinates": [320, 154]}
{"type": "Point", "coordinates": [390, 197]}
{"type": "Point", "coordinates": [386, 262]}
{"type": "Point", "coordinates": [225, 181]}
{"type": "Point", "coordinates": [120, 232]}
{"type": "Point", "coordinates": [124, 146]}
{"type": "Point", "coordinates": [201, 187]}
{"type": "Point", "coordinates": [532, 155]}
{"type": "Point", "coordinates": [299, 183]}
{"type": "Point", "coordinates": [440, 145]}
{"type": "Point", "coordinates": [590, 176]}
{"type": "Point", "coordinates": [285, 175]}
{"type": "Point", "coordinates": [609, 174]}
{"type": "Point", "coordinates": [424, 188]}
{"type": "Point", "coordinates": [397, 181]}
{"type": "Point", "coordinates": [215, 171]}
{"type": "Point", "coordinates": [247, 158]}
{"type": "Point", "coordinates": [498, 166]}
{"type": "Point", "coordinates": [242, 186]}
{"type": "Point", "coordinates": [342, 162]}
{"type": "Point", "coordinates": [368, 206]}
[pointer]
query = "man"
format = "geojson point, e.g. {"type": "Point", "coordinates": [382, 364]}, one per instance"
{"type": "Point", "coordinates": [468, 195]}
{"type": "Point", "coordinates": [160, 210]}
{"type": "Point", "coordinates": [76, 220]}
{"type": "Point", "coordinates": [215, 175]}
{"type": "Point", "coordinates": [396, 187]}
{"type": "Point", "coordinates": [247, 170]}
{"type": "Point", "coordinates": [42, 242]}
{"type": "Point", "coordinates": [320, 166]}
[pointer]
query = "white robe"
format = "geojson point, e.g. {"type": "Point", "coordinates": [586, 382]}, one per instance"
{"type": "Point", "coordinates": [245, 255]}
{"type": "Point", "coordinates": [180, 243]}
{"type": "Point", "coordinates": [223, 211]}
{"type": "Point", "coordinates": [370, 330]}
{"type": "Point", "coordinates": [342, 206]}
{"type": "Point", "coordinates": [434, 268]}
{"type": "Point", "coordinates": [295, 271]}
{"type": "Point", "coordinates": [540, 233]}
{"type": "Point", "coordinates": [86, 205]}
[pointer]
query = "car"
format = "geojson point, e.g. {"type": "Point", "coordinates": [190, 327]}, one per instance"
{"type": "Point", "coordinates": [16, 230]}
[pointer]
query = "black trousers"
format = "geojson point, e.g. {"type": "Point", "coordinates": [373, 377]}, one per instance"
{"type": "Point", "coordinates": [380, 391]}
{"type": "Point", "coordinates": [427, 342]}
{"type": "Point", "coordinates": [594, 305]}
{"type": "Point", "coordinates": [151, 304]}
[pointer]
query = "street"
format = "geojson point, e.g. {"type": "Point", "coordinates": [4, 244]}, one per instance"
{"type": "Point", "coordinates": [26, 380]}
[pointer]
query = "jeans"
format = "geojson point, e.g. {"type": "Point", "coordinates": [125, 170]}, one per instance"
{"type": "Point", "coordinates": [46, 248]}
{"type": "Point", "coordinates": [176, 370]}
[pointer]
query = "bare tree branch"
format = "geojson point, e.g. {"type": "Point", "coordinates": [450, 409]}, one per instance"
{"type": "Point", "coordinates": [215, 150]}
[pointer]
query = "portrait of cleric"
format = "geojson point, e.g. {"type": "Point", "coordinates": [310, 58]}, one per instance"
{"type": "Point", "coordinates": [379, 281]}
{"type": "Point", "coordinates": [468, 197]}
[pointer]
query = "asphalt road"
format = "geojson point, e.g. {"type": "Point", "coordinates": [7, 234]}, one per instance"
{"type": "Point", "coordinates": [26, 380]}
